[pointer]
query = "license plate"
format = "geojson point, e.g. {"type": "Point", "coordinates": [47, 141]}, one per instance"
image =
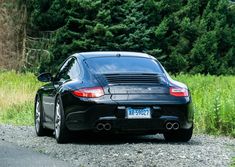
{"type": "Point", "coordinates": [138, 113]}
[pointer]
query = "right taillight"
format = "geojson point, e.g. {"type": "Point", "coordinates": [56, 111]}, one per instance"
{"type": "Point", "coordinates": [93, 92]}
{"type": "Point", "coordinates": [178, 92]}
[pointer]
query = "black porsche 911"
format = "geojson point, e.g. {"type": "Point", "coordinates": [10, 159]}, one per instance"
{"type": "Point", "coordinates": [113, 92]}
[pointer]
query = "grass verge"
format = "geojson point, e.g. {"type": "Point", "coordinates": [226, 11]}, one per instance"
{"type": "Point", "coordinates": [214, 103]}
{"type": "Point", "coordinates": [213, 98]}
{"type": "Point", "coordinates": [17, 92]}
{"type": "Point", "coordinates": [233, 162]}
{"type": "Point", "coordinates": [18, 114]}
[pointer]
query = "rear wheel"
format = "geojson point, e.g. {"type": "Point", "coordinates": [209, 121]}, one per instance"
{"type": "Point", "coordinates": [38, 119]}
{"type": "Point", "coordinates": [61, 132]}
{"type": "Point", "coordinates": [182, 135]}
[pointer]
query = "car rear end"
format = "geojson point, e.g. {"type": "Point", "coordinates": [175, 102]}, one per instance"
{"type": "Point", "coordinates": [134, 95]}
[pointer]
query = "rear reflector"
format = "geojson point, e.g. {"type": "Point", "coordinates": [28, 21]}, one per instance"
{"type": "Point", "coordinates": [178, 92]}
{"type": "Point", "coordinates": [89, 92]}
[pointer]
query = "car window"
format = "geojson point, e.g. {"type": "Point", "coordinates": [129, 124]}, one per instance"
{"type": "Point", "coordinates": [123, 65]}
{"type": "Point", "coordinates": [69, 71]}
{"type": "Point", "coordinates": [74, 71]}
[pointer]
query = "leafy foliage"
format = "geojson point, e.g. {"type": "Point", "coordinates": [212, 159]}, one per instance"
{"type": "Point", "coordinates": [186, 36]}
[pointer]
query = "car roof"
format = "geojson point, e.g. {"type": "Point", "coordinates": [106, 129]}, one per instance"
{"type": "Point", "coordinates": [87, 55]}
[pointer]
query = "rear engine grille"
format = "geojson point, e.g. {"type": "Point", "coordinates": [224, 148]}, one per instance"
{"type": "Point", "coordinates": [133, 78]}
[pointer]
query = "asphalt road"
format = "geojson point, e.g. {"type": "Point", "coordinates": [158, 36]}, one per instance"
{"type": "Point", "coordinates": [15, 156]}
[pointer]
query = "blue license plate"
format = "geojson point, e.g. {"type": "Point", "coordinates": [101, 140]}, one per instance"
{"type": "Point", "coordinates": [138, 113]}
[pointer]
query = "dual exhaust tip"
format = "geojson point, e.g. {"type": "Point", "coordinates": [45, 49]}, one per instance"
{"type": "Point", "coordinates": [103, 126]}
{"type": "Point", "coordinates": [107, 126]}
{"type": "Point", "coordinates": [172, 126]}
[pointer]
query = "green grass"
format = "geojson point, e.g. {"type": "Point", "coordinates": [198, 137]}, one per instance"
{"type": "Point", "coordinates": [17, 92]}
{"type": "Point", "coordinates": [214, 103]}
{"type": "Point", "coordinates": [233, 162]}
{"type": "Point", "coordinates": [18, 114]}
{"type": "Point", "coordinates": [213, 98]}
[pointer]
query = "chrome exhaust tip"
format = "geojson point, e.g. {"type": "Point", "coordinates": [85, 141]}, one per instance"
{"type": "Point", "coordinates": [176, 126]}
{"type": "Point", "coordinates": [107, 126]}
{"type": "Point", "coordinates": [169, 125]}
{"type": "Point", "coordinates": [100, 126]}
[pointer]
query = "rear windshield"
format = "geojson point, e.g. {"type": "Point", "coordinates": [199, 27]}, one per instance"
{"type": "Point", "coordinates": [105, 65]}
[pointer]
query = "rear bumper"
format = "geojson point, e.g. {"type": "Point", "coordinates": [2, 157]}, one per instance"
{"type": "Point", "coordinates": [87, 117]}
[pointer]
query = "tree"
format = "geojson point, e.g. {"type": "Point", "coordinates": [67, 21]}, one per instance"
{"type": "Point", "coordinates": [185, 35]}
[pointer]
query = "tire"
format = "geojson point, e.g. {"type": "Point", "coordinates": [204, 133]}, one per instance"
{"type": "Point", "coordinates": [38, 119]}
{"type": "Point", "coordinates": [182, 135]}
{"type": "Point", "coordinates": [61, 132]}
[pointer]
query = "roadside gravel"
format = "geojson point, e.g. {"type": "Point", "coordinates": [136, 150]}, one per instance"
{"type": "Point", "coordinates": [152, 150]}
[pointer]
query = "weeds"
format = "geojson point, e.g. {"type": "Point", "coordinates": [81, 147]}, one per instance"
{"type": "Point", "coordinates": [233, 162]}
{"type": "Point", "coordinates": [214, 103]}
{"type": "Point", "coordinates": [213, 99]}
{"type": "Point", "coordinates": [17, 92]}
{"type": "Point", "coordinates": [19, 114]}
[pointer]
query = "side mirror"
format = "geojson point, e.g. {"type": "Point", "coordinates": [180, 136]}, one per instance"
{"type": "Point", "coordinates": [45, 77]}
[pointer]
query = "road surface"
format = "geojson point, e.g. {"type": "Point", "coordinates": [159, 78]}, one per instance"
{"type": "Point", "coordinates": [153, 150]}
{"type": "Point", "coordinates": [15, 156]}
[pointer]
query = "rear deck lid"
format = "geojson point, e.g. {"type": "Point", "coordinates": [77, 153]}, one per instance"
{"type": "Point", "coordinates": [135, 83]}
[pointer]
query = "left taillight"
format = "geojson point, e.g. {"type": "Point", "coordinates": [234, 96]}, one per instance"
{"type": "Point", "coordinates": [89, 92]}
{"type": "Point", "coordinates": [179, 92]}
